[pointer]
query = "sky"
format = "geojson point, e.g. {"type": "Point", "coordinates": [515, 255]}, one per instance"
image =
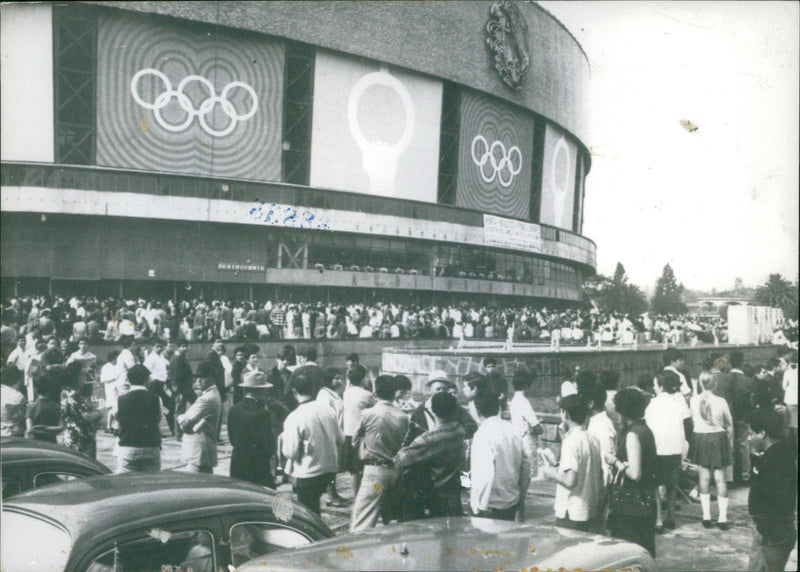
{"type": "Point", "coordinates": [717, 203]}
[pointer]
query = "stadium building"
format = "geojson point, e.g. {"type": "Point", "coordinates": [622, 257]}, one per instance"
{"type": "Point", "coordinates": [412, 150]}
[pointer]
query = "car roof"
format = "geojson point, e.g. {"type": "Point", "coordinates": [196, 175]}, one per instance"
{"type": "Point", "coordinates": [96, 505]}
{"type": "Point", "coordinates": [459, 543]}
{"type": "Point", "coordinates": [14, 450]}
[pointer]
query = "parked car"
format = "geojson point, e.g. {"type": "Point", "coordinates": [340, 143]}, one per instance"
{"type": "Point", "coordinates": [461, 543]}
{"type": "Point", "coordinates": [151, 521]}
{"type": "Point", "coordinates": [29, 464]}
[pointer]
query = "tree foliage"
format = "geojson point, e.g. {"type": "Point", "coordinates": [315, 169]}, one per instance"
{"type": "Point", "coordinates": [668, 296]}
{"type": "Point", "coordinates": [615, 294]}
{"type": "Point", "coordinates": [778, 292]}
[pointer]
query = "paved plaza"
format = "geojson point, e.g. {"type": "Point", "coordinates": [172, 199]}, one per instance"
{"type": "Point", "coordinates": [688, 547]}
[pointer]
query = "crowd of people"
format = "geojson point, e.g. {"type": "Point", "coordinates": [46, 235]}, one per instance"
{"type": "Point", "coordinates": [623, 452]}
{"type": "Point", "coordinates": [95, 320]}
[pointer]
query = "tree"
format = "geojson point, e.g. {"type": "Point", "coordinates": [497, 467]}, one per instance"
{"type": "Point", "coordinates": [667, 298]}
{"type": "Point", "coordinates": [615, 294]}
{"type": "Point", "coordinates": [778, 292]}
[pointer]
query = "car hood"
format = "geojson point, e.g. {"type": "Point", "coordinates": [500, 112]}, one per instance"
{"type": "Point", "coordinates": [460, 544]}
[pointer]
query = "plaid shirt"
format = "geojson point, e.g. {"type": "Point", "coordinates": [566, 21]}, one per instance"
{"type": "Point", "coordinates": [440, 451]}
{"type": "Point", "coordinates": [278, 316]}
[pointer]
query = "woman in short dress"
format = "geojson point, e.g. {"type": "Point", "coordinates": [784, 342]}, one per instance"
{"type": "Point", "coordinates": [713, 425]}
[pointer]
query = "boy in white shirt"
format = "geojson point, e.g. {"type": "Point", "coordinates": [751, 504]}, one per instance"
{"type": "Point", "coordinates": [579, 476]}
{"type": "Point", "coordinates": [523, 419]}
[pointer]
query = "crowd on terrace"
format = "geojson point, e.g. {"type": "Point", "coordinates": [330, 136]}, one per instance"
{"type": "Point", "coordinates": [97, 320]}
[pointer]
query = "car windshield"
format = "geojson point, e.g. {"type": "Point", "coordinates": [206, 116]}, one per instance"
{"type": "Point", "coordinates": [29, 543]}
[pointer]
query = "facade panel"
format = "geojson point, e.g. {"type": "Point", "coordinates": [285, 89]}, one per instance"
{"type": "Point", "coordinates": [375, 130]}
{"type": "Point", "coordinates": [26, 45]}
{"type": "Point", "coordinates": [558, 179]}
{"type": "Point", "coordinates": [495, 156]}
{"type": "Point", "coordinates": [180, 100]}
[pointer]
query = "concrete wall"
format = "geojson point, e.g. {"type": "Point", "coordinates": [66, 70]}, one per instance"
{"type": "Point", "coordinates": [417, 358]}
{"type": "Point", "coordinates": [332, 353]}
{"type": "Point", "coordinates": [552, 368]}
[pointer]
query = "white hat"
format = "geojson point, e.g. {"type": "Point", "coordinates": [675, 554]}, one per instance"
{"type": "Point", "coordinates": [439, 375]}
{"type": "Point", "coordinates": [569, 388]}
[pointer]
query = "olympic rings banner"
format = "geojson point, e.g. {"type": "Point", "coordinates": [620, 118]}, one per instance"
{"type": "Point", "coordinates": [558, 179]}
{"type": "Point", "coordinates": [375, 129]}
{"type": "Point", "coordinates": [172, 99]}
{"type": "Point", "coordinates": [495, 151]}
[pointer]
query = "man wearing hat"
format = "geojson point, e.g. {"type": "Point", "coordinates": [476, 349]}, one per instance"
{"type": "Point", "coordinates": [423, 418]}
{"type": "Point", "coordinates": [199, 423]}
{"type": "Point", "coordinates": [250, 432]}
{"type": "Point", "coordinates": [415, 481]}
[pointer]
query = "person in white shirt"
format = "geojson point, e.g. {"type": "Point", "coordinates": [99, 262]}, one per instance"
{"type": "Point", "coordinates": [713, 432]}
{"type": "Point", "coordinates": [790, 390]}
{"type": "Point", "coordinates": [311, 439]}
{"type": "Point", "coordinates": [499, 470]}
{"type": "Point", "coordinates": [126, 359]}
{"type": "Point", "coordinates": [112, 378]}
{"type": "Point", "coordinates": [673, 361]}
{"type": "Point", "coordinates": [526, 424]}
{"type": "Point", "coordinates": [157, 361]}
{"type": "Point", "coordinates": [666, 416]}
{"type": "Point", "coordinates": [600, 425]}
{"type": "Point", "coordinates": [20, 359]}
{"type": "Point", "coordinates": [328, 396]}
{"type": "Point", "coordinates": [355, 399]}
{"type": "Point", "coordinates": [579, 475]}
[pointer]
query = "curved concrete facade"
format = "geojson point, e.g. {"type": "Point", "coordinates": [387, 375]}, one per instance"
{"type": "Point", "coordinates": [483, 198]}
{"type": "Point", "coordinates": [443, 39]}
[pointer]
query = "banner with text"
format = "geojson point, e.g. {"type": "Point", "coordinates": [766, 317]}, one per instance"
{"type": "Point", "coordinates": [511, 234]}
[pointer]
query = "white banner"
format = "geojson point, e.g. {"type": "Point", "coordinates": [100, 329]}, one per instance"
{"type": "Point", "coordinates": [512, 234]}
{"type": "Point", "coordinates": [753, 324]}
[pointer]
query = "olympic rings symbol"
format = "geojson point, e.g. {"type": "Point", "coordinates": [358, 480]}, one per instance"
{"type": "Point", "coordinates": [505, 164]}
{"type": "Point", "coordinates": [206, 107]}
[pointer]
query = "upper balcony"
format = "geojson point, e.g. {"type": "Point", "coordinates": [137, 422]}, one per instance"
{"type": "Point", "coordinates": [556, 243]}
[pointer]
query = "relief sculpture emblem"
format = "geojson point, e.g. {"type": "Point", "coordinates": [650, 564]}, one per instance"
{"type": "Point", "coordinates": [507, 37]}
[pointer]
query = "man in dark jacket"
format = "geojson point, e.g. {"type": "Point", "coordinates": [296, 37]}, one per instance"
{"type": "Point", "coordinates": [217, 369]}
{"type": "Point", "coordinates": [181, 379]}
{"type": "Point", "coordinates": [139, 413]}
{"type": "Point", "coordinates": [773, 493]}
{"type": "Point", "coordinates": [250, 432]}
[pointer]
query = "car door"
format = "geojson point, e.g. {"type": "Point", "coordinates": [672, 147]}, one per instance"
{"type": "Point", "coordinates": [179, 546]}
{"type": "Point", "coordinates": [15, 479]}
{"type": "Point", "coordinates": [251, 535]}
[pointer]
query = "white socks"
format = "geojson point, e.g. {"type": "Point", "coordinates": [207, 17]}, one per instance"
{"type": "Point", "coordinates": [705, 502]}
{"type": "Point", "coordinates": [723, 508]}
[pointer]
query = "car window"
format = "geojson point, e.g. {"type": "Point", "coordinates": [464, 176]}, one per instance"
{"type": "Point", "coordinates": [29, 543]}
{"type": "Point", "coordinates": [161, 551]}
{"type": "Point", "coordinates": [253, 539]}
{"type": "Point", "coordinates": [44, 479]}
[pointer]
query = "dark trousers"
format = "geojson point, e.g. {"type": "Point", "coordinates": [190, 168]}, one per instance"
{"type": "Point", "coordinates": [499, 513]}
{"type": "Point", "coordinates": [445, 503]}
{"type": "Point", "coordinates": [157, 387]}
{"type": "Point", "coordinates": [310, 490]}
